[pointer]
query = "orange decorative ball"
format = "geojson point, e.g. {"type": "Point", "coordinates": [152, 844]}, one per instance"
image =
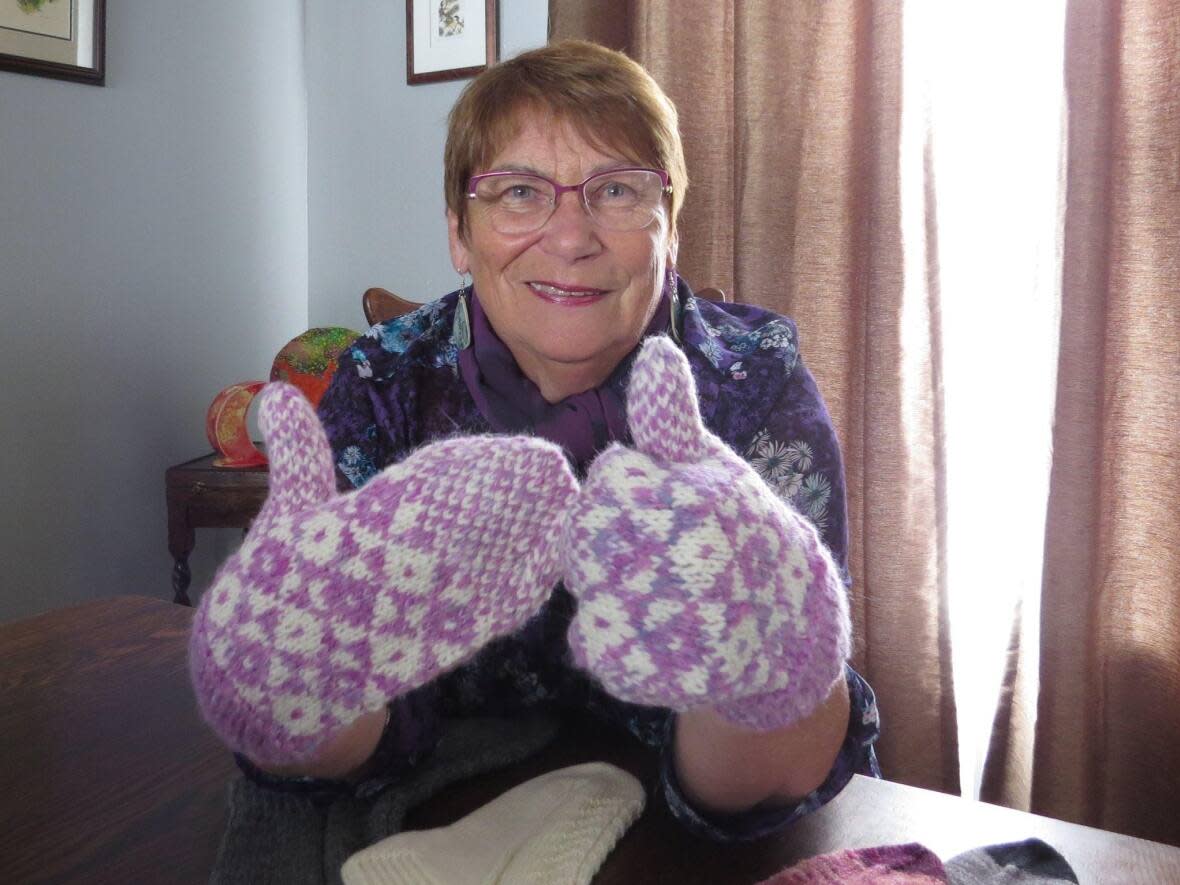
{"type": "Point", "coordinates": [309, 361]}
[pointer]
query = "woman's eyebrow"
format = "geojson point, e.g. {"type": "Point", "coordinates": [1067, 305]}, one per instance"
{"type": "Point", "coordinates": [608, 166]}
{"type": "Point", "coordinates": [516, 167]}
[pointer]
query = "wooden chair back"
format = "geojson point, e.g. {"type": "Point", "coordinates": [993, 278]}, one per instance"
{"type": "Point", "coordinates": [381, 305]}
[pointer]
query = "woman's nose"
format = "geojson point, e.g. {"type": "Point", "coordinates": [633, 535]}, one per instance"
{"type": "Point", "coordinates": [570, 231]}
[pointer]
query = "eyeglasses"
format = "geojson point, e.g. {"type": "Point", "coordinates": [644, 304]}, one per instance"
{"type": "Point", "coordinates": [619, 199]}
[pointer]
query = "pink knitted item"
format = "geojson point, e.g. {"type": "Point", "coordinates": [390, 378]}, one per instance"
{"type": "Point", "coordinates": [910, 864]}
{"type": "Point", "coordinates": [334, 604]}
{"type": "Point", "coordinates": [697, 585]}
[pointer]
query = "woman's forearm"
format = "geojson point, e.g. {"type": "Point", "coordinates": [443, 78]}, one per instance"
{"type": "Point", "coordinates": [725, 768]}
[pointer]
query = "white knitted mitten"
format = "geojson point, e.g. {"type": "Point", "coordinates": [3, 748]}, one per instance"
{"type": "Point", "coordinates": [556, 829]}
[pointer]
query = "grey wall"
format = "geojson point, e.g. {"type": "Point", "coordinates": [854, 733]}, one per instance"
{"type": "Point", "coordinates": [153, 248]}
{"type": "Point", "coordinates": [375, 153]}
{"type": "Point", "coordinates": [155, 245]}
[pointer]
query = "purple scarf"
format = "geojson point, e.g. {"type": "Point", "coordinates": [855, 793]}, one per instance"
{"type": "Point", "coordinates": [582, 424]}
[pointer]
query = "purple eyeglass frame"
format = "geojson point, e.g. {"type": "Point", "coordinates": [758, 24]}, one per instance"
{"type": "Point", "coordinates": [559, 189]}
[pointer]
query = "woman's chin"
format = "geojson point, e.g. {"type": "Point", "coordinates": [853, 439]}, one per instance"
{"type": "Point", "coordinates": [574, 359]}
{"type": "Point", "coordinates": [562, 372]}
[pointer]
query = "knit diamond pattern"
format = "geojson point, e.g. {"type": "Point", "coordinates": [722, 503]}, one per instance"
{"type": "Point", "coordinates": [335, 604]}
{"type": "Point", "coordinates": [696, 584]}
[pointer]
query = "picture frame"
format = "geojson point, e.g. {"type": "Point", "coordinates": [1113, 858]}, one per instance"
{"type": "Point", "coordinates": [64, 39]}
{"type": "Point", "coordinates": [449, 39]}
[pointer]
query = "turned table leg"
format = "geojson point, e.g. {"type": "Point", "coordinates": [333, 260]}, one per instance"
{"type": "Point", "coordinates": [181, 538]}
{"type": "Point", "coordinates": [181, 578]}
{"type": "Point", "coordinates": [200, 494]}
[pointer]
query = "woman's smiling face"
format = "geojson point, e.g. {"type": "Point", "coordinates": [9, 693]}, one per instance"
{"type": "Point", "coordinates": [571, 299]}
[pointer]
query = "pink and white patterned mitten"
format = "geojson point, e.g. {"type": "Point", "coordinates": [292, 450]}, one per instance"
{"type": "Point", "coordinates": [337, 603]}
{"type": "Point", "coordinates": [696, 584]}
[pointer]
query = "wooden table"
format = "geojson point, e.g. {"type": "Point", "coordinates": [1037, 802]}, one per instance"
{"type": "Point", "coordinates": [203, 496]}
{"type": "Point", "coordinates": [108, 775]}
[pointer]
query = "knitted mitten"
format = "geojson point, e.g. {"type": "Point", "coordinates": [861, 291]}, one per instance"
{"type": "Point", "coordinates": [556, 829]}
{"type": "Point", "coordinates": [696, 584]}
{"type": "Point", "coordinates": [335, 604]}
{"type": "Point", "coordinates": [909, 864]}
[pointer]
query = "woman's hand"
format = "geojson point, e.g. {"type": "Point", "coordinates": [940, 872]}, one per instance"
{"type": "Point", "coordinates": [335, 604]}
{"type": "Point", "coordinates": [346, 755]}
{"type": "Point", "coordinates": [697, 586]}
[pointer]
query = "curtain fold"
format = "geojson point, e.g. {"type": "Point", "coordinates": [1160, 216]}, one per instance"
{"type": "Point", "coordinates": [1106, 748]}
{"type": "Point", "coordinates": [804, 158]}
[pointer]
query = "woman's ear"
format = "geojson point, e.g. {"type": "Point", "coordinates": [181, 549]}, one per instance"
{"type": "Point", "coordinates": [459, 253]}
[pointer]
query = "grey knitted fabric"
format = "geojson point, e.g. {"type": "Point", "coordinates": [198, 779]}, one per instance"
{"type": "Point", "coordinates": [286, 839]}
{"type": "Point", "coordinates": [1031, 862]}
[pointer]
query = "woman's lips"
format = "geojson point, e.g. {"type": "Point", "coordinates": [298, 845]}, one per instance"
{"type": "Point", "coordinates": [565, 294]}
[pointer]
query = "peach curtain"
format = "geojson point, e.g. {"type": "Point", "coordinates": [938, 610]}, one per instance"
{"type": "Point", "coordinates": [1104, 748]}
{"type": "Point", "coordinates": [792, 116]}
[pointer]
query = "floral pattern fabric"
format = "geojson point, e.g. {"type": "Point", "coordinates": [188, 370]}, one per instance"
{"type": "Point", "coordinates": [397, 388]}
{"type": "Point", "coordinates": [785, 466]}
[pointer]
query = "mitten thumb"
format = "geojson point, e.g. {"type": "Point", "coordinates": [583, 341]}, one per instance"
{"type": "Point", "coordinates": [301, 473]}
{"type": "Point", "coordinates": [662, 410]}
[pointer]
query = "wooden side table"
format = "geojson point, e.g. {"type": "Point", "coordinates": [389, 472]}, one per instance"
{"type": "Point", "coordinates": [203, 496]}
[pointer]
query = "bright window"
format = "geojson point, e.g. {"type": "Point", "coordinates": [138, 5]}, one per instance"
{"type": "Point", "coordinates": [992, 77]}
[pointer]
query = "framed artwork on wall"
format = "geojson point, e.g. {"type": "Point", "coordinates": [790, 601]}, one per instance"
{"type": "Point", "coordinates": [449, 39]}
{"type": "Point", "coordinates": [54, 38]}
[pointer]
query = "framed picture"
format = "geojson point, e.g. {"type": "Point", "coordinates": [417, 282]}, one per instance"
{"type": "Point", "coordinates": [449, 39]}
{"type": "Point", "coordinates": [54, 38]}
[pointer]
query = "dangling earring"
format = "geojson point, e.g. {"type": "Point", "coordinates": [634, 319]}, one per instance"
{"type": "Point", "coordinates": [674, 318]}
{"type": "Point", "coordinates": [461, 329]}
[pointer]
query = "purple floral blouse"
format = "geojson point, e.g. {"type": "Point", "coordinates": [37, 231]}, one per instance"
{"type": "Point", "coordinates": [399, 387]}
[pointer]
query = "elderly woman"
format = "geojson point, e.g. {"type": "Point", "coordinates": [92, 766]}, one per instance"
{"type": "Point", "coordinates": [575, 485]}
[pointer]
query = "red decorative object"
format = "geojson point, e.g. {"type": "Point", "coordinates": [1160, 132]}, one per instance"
{"type": "Point", "coordinates": [309, 361]}
{"type": "Point", "coordinates": [225, 426]}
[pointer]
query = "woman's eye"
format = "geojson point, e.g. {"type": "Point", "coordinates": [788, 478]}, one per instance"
{"type": "Point", "coordinates": [518, 193]}
{"type": "Point", "coordinates": [613, 192]}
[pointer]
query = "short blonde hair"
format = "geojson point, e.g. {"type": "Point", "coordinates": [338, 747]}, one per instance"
{"type": "Point", "coordinates": [609, 98]}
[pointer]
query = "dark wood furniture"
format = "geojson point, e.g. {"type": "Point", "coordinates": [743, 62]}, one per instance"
{"type": "Point", "coordinates": [203, 496]}
{"type": "Point", "coordinates": [108, 775]}
{"type": "Point", "coordinates": [380, 305]}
